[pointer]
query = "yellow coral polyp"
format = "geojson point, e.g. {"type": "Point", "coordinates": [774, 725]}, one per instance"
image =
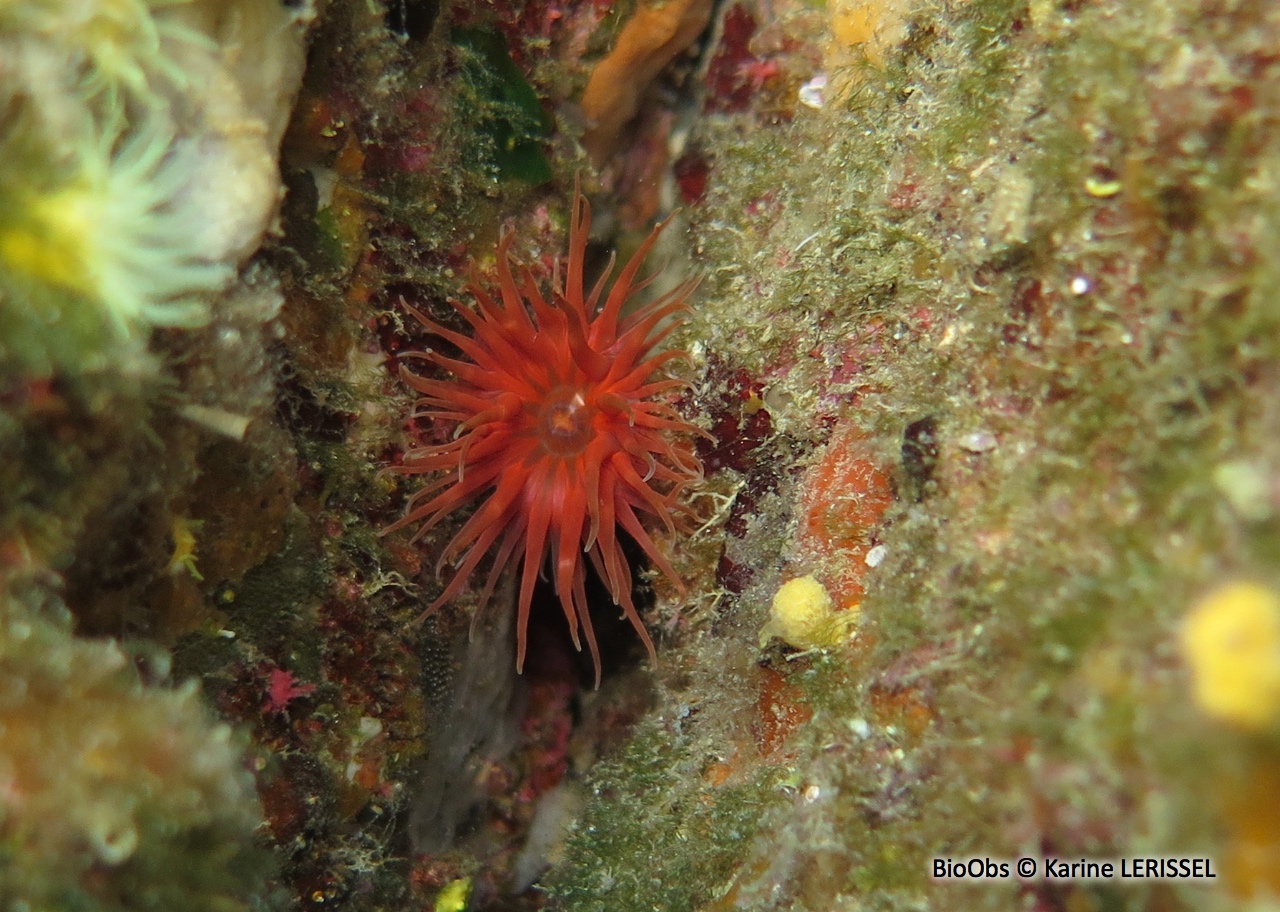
{"type": "Point", "coordinates": [802, 616]}
{"type": "Point", "coordinates": [1231, 641]}
{"type": "Point", "coordinates": [115, 233]}
{"type": "Point", "coordinates": [48, 244]}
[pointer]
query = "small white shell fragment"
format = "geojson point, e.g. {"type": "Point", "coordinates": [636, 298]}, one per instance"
{"type": "Point", "coordinates": [979, 442]}
{"type": "Point", "coordinates": [813, 93]}
{"type": "Point", "coordinates": [218, 420]}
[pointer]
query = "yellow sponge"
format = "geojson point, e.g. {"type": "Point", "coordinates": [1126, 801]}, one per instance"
{"type": "Point", "coordinates": [1231, 640]}
{"type": "Point", "coordinates": [802, 616]}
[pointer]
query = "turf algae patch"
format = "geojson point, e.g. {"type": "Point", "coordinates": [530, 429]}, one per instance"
{"type": "Point", "coordinates": [691, 834]}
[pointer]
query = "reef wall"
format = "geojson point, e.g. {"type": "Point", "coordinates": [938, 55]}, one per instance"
{"type": "Point", "coordinates": [984, 558]}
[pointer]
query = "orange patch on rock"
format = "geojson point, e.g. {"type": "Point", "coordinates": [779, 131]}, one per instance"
{"type": "Point", "coordinates": [905, 709]}
{"type": "Point", "coordinates": [721, 771]}
{"type": "Point", "coordinates": [656, 33]}
{"type": "Point", "coordinates": [780, 711]}
{"type": "Point", "coordinates": [843, 498]}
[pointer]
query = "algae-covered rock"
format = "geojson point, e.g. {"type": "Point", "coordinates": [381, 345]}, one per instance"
{"type": "Point", "coordinates": [114, 795]}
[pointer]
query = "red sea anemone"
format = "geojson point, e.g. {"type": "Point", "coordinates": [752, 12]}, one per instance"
{"type": "Point", "coordinates": [559, 429]}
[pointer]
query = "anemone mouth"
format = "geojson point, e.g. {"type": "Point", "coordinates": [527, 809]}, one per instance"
{"type": "Point", "coordinates": [564, 421]}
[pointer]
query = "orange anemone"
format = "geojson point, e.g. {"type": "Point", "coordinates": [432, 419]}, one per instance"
{"type": "Point", "coordinates": [560, 428]}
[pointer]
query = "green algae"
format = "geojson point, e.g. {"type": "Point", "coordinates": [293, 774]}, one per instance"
{"type": "Point", "coordinates": [508, 110]}
{"type": "Point", "coordinates": [653, 802]}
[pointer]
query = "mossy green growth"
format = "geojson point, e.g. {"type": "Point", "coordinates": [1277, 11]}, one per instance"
{"type": "Point", "coordinates": [655, 803]}
{"type": "Point", "coordinates": [117, 796]}
{"type": "Point", "coordinates": [508, 111]}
